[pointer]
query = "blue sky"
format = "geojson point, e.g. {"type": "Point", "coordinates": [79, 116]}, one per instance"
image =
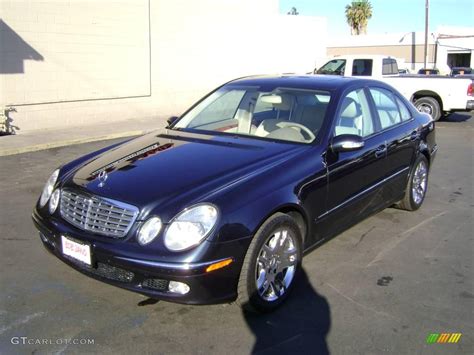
{"type": "Point", "coordinates": [389, 16]}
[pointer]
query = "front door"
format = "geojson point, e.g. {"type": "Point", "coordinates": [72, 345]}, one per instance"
{"type": "Point", "coordinates": [354, 178]}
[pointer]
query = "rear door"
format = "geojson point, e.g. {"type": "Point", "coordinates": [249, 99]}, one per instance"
{"type": "Point", "coordinates": [401, 133]}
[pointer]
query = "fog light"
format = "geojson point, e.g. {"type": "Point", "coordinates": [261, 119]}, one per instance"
{"type": "Point", "coordinates": [178, 287]}
{"type": "Point", "coordinates": [54, 201]}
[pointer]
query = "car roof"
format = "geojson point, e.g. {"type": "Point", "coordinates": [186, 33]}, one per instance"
{"type": "Point", "coordinates": [309, 82]}
{"type": "Point", "coordinates": [362, 56]}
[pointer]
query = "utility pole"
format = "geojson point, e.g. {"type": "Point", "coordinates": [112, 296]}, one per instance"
{"type": "Point", "coordinates": [427, 8]}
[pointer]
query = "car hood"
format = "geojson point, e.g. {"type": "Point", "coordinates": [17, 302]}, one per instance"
{"type": "Point", "coordinates": [166, 166]}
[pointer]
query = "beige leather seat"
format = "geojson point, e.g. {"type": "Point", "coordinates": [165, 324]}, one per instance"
{"type": "Point", "coordinates": [282, 113]}
{"type": "Point", "coordinates": [311, 116]}
{"type": "Point", "coordinates": [349, 118]}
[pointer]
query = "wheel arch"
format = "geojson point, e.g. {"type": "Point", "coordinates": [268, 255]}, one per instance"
{"type": "Point", "coordinates": [423, 149]}
{"type": "Point", "coordinates": [424, 93]}
{"type": "Point", "coordinates": [293, 210]}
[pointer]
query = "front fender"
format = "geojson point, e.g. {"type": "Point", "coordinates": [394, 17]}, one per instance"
{"type": "Point", "coordinates": [247, 219]}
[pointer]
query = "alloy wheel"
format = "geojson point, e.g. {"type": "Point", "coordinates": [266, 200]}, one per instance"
{"type": "Point", "coordinates": [276, 265]}
{"type": "Point", "coordinates": [419, 182]}
{"type": "Point", "coordinates": [425, 108]}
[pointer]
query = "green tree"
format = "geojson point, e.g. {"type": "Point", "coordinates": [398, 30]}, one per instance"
{"type": "Point", "coordinates": [358, 14]}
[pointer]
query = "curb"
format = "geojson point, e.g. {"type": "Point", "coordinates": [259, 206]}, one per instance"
{"type": "Point", "coordinates": [57, 144]}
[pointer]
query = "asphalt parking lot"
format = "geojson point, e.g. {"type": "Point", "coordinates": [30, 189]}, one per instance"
{"type": "Point", "coordinates": [381, 287]}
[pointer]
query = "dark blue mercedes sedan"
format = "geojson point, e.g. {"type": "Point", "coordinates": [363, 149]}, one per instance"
{"type": "Point", "coordinates": [222, 204]}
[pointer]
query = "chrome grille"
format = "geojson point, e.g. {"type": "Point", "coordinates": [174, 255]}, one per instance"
{"type": "Point", "coordinates": [97, 214]}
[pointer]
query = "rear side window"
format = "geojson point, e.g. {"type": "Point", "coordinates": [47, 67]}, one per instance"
{"type": "Point", "coordinates": [404, 111]}
{"type": "Point", "coordinates": [386, 107]}
{"type": "Point", "coordinates": [362, 67]}
{"type": "Point", "coordinates": [389, 66]}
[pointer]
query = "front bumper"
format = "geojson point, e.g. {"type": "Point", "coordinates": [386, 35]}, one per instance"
{"type": "Point", "coordinates": [150, 277]}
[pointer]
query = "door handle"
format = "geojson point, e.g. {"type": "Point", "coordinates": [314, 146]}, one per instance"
{"type": "Point", "coordinates": [380, 151]}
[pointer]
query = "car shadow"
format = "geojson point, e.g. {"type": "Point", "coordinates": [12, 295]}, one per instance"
{"type": "Point", "coordinates": [299, 326]}
{"type": "Point", "coordinates": [457, 117]}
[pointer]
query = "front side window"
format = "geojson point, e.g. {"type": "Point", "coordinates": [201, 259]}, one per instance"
{"type": "Point", "coordinates": [281, 114]}
{"type": "Point", "coordinates": [386, 107]}
{"type": "Point", "coordinates": [354, 115]}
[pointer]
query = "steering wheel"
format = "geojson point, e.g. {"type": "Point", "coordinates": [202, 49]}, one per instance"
{"type": "Point", "coordinates": [299, 127]}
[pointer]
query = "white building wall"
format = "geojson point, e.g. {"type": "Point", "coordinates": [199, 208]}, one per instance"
{"type": "Point", "coordinates": [454, 40]}
{"type": "Point", "coordinates": [77, 62]}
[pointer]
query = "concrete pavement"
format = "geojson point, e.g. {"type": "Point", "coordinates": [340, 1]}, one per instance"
{"type": "Point", "coordinates": [46, 139]}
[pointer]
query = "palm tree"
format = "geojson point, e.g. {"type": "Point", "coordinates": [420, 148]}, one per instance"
{"type": "Point", "coordinates": [358, 14]}
{"type": "Point", "coordinates": [293, 11]}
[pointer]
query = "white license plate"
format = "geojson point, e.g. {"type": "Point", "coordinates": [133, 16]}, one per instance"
{"type": "Point", "coordinates": [78, 251]}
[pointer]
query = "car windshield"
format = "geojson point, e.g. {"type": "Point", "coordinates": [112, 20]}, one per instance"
{"type": "Point", "coordinates": [333, 67]}
{"type": "Point", "coordinates": [285, 114]}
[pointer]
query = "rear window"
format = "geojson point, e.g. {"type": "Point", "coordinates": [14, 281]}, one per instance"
{"type": "Point", "coordinates": [389, 66]}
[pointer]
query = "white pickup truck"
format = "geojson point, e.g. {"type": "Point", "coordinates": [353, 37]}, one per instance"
{"type": "Point", "coordinates": [433, 94]}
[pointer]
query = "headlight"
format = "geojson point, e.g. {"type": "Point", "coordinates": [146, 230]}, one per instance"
{"type": "Point", "coordinates": [48, 188]}
{"type": "Point", "coordinates": [190, 227]}
{"type": "Point", "coordinates": [149, 230]}
{"type": "Point", "coordinates": [54, 201]}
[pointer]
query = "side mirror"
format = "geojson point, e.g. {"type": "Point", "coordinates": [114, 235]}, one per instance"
{"type": "Point", "coordinates": [346, 143]}
{"type": "Point", "coordinates": [172, 120]}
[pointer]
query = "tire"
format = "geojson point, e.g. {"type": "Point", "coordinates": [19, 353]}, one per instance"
{"type": "Point", "coordinates": [417, 185]}
{"type": "Point", "coordinates": [265, 257]}
{"type": "Point", "coordinates": [429, 105]}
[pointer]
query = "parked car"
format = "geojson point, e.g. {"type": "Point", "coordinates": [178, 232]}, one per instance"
{"type": "Point", "coordinates": [403, 71]}
{"type": "Point", "coordinates": [432, 94]}
{"type": "Point", "coordinates": [222, 204]}
{"type": "Point", "coordinates": [455, 71]}
{"type": "Point", "coordinates": [428, 71]}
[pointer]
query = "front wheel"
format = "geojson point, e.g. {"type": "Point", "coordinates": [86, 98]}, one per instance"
{"type": "Point", "coordinates": [416, 186]}
{"type": "Point", "coordinates": [430, 106]}
{"type": "Point", "coordinates": [271, 264]}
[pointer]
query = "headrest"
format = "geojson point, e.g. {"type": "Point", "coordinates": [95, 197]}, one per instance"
{"type": "Point", "coordinates": [350, 108]}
